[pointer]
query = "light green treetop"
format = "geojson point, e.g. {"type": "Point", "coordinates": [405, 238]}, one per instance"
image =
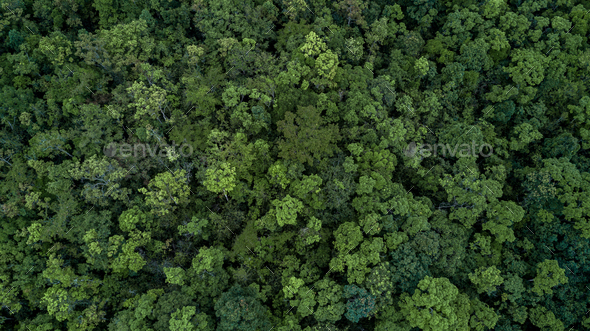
{"type": "Point", "coordinates": [166, 191]}
{"type": "Point", "coordinates": [486, 279]}
{"type": "Point", "coordinates": [549, 275]}
{"type": "Point", "coordinates": [313, 45]}
{"type": "Point", "coordinates": [436, 306]}
{"type": "Point", "coordinates": [287, 209]}
{"type": "Point", "coordinates": [221, 178]}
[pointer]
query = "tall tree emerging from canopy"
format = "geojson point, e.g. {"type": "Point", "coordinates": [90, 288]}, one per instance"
{"type": "Point", "coordinates": [305, 137]}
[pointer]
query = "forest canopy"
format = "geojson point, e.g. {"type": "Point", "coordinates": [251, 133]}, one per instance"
{"type": "Point", "coordinates": [306, 165]}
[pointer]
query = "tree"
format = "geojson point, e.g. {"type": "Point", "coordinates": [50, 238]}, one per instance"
{"type": "Point", "coordinates": [348, 236]}
{"type": "Point", "coordinates": [360, 304]}
{"type": "Point", "coordinates": [326, 66]}
{"type": "Point", "coordinates": [125, 257]}
{"type": "Point", "coordinates": [113, 49]}
{"type": "Point", "coordinates": [221, 178]}
{"type": "Point", "coordinates": [174, 275]}
{"type": "Point", "coordinates": [300, 295]}
{"type": "Point", "coordinates": [102, 179]}
{"type": "Point", "coordinates": [352, 10]}
{"type": "Point", "coordinates": [329, 296]}
{"type": "Point", "coordinates": [239, 309]}
{"type": "Point", "coordinates": [149, 101]}
{"type": "Point", "coordinates": [379, 283]}
{"type": "Point", "coordinates": [70, 291]}
{"type": "Point", "coordinates": [287, 209]}
{"type": "Point", "coordinates": [306, 137]}
{"type": "Point", "coordinates": [524, 135]}
{"type": "Point", "coordinates": [133, 218]}
{"type": "Point", "coordinates": [94, 131]}
{"type": "Point", "coordinates": [421, 66]}
{"type": "Point", "coordinates": [358, 263]}
{"type": "Point", "coordinates": [408, 267]}
{"type": "Point", "coordinates": [540, 189]}
{"type": "Point", "coordinates": [196, 227]}
{"type": "Point", "coordinates": [184, 320]}
{"type": "Point", "coordinates": [311, 233]}
{"type": "Point", "coordinates": [486, 279]}
{"type": "Point", "coordinates": [308, 190]}
{"type": "Point", "coordinates": [514, 285]}
{"type": "Point", "coordinates": [545, 319]}
{"type": "Point", "coordinates": [206, 278]}
{"type": "Point", "coordinates": [469, 194]}
{"type": "Point", "coordinates": [549, 275]}
{"type": "Point", "coordinates": [166, 189]}
{"type": "Point", "coordinates": [483, 317]}
{"type": "Point", "coordinates": [503, 214]}
{"type": "Point", "coordinates": [436, 305]}
{"type": "Point", "coordinates": [139, 314]}
{"type": "Point", "coordinates": [208, 260]}
{"type": "Point", "coordinates": [46, 144]}
{"type": "Point", "coordinates": [313, 45]}
{"type": "Point", "coordinates": [530, 67]}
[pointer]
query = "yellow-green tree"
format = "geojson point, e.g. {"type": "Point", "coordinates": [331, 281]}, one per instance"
{"type": "Point", "coordinates": [166, 191]}
{"type": "Point", "coordinates": [221, 178]}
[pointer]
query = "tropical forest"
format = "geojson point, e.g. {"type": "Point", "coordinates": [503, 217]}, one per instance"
{"type": "Point", "coordinates": [294, 165]}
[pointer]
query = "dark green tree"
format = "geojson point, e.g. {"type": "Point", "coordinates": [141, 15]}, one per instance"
{"type": "Point", "coordinates": [239, 309]}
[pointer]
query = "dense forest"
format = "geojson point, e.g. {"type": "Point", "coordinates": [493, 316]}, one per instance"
{"type": "Point", "coordinates": [306, 165]}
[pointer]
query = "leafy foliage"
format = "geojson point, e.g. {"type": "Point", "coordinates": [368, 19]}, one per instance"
{"type": "Point", "coordinates": [360, 304]}
{"type": "Point", "coordinates": [294, 165]}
